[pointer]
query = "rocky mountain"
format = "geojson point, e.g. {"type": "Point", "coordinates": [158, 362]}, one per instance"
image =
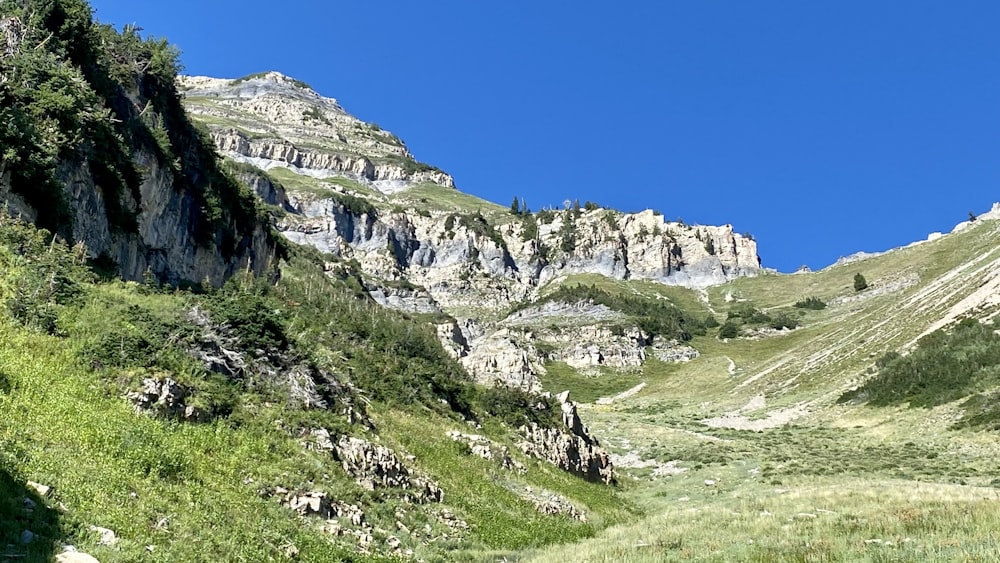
{"type": "Point", "coordinates": [353, 191]}
{"type": "Point", "coordinates": [273, 120]}
{"type": "Point", "coordinates": [316, 348]}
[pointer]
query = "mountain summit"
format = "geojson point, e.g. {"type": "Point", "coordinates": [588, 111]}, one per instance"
{"type": "Point", "coordinates": [271, 120]}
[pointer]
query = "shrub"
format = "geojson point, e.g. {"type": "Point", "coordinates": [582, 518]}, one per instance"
{"type": "Point", "coordinates": [747, 313]}
{"type": "Point", "coordinates": [517, 408]}
{"type": "Point", "coordinates": [813, 303]}
{"type": "Point", "coordinates": [42, 273]}
{"type": "Point", "coordinates": [783, 321]}
{"type": "Point", "coordinates": [860, 283]}
{"type": "Point", "coordinates": [567, 233]}
{"type": "Point", "coordinates": [252, 317]}
{"type": "Point", "coordinates": [729, 329]}
{"type": "Point", "coordinates": [945, 366]}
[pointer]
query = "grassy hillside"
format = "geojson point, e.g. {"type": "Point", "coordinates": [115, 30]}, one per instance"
{"type": "Point", "coordinates": [72, 347]}
{"type": "Point", "coordinates": [820, 443]}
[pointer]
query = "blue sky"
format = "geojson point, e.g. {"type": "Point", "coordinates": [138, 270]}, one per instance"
{"type": "Point", "coordinates": [822, 129]}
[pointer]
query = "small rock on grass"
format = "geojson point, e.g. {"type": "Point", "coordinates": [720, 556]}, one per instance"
{"type": "Point", "coordinates": [42, 490]}
{"type": "Point", "coordinates": [75, 557]}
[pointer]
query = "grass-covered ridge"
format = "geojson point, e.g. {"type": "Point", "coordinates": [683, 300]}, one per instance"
{"type": "Point", "coordinates": [655, 317]}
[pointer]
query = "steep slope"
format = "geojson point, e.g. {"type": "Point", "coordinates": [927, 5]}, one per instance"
{"type": "Point", "coordinates": [272, 120]}
{"type": "Point", "coordinates": [202, 414]}
{"type": "Point", "coordinates": [97, 148]}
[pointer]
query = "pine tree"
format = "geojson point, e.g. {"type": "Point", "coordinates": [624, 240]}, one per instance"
{"type": "Point", "coordinates": [515, 206]}
{"type": "Point", "coordinates": [860, 284]}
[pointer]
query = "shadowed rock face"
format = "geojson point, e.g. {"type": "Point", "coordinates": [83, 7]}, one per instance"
{"type": "Point", "coordinates": [165, 242]}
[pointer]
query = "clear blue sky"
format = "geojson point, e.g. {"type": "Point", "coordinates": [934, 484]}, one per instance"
{"type": "Point", "coordinates": [820, 128]}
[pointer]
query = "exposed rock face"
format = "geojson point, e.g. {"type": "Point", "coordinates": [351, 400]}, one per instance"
{"type": "Point", "coordinates": [485, 448]}
{"type": "Point", "coordinates": [376, 466]}
{"type": "Point", "coordinates": [548, 502]}
{"type": "Point", "coordinates": [271, 153]}
{"type": "Point", "coordinates": [571, 448]}
{"type": "Point", "coordinates": [165, 397]}
{"type": "Point", "coordinates": [165, 243]}
{"type": "Point", "coordinates": [673, 351]}
{"type": "Point", "coordinates": [316, 503]}
{"type": "Point", "coordinates": [595, 346]}
{"type": "Point", "coordinates": [505, 357]}
{"type": "Point", "coordinates": [406, 299]}
{"type": "Point", "coordinates": [277, 121]}
{"type": "Point", "coordinates": [460, 267]}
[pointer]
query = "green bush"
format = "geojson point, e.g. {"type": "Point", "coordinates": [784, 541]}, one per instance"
{"type": "Point", "coordinates": [517, 408]}
{"type": "Point", "coordinates": [782, 321]}
{"type": "Point", "coordinates": [748, 314]}
{"type": "Point", "coordinates": [729, 329]}
{"type": "Point", "coordinates": [814, 303]}
{"type": "Point", "coordinates": [253, 318]}
{"type": "Point", "coordinates": [43, 275]}
{"type": "Point", "coordinates": [860, 283]}
{"type": "Point", "coordinates": [945, 366]}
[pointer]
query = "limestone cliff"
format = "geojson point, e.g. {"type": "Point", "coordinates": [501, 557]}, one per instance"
{"type": "Point", "coordinates": [166, 241]}
{"type": "Point", "coordinates": [462, 266]}
{"type": "Point", "coordinates": [272, 120]}
{"type": "Point", "coordinates": [354, 191]}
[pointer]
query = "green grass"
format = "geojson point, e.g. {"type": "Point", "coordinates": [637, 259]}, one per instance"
{"type": "Point", "coordinates": [435, 198]}
{"type": "Point", "coordinates": [587, 388]}
{"type": "Point", "coordinates": [803, 520]}
{"type": "Point", "coordinates": [501, 523]}
{"type": "Point", "coordinates": [836, 482]}
{"type": "Point", "coordinates": [112, 468]}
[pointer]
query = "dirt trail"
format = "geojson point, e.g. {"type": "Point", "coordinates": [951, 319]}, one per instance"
{"type": "Point", "coordinates": [623, 395]}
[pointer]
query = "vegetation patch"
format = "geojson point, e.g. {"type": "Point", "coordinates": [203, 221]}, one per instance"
{"type": "Point", "coordinates": [655, 317]}
{"type": "Point", "coordinates": [946, 365]}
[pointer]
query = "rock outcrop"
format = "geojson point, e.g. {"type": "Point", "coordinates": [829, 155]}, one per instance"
{"type": "Point", "coordinates": [271, 120]}
{"type": "Point", "coordinates": [220, 350]}
{"type": "Point", "coordinates": [551, 503]}
{"type": "Point", "coordinates": [506, 357]}
{"type": "Point", "coordinates": [570, 448]}
{"type": "Point", "coordinates": [485, 448]}
{"type": "Point", "coordinates": [166, 398]}
{"type": "Point", "coordinates": [374, 466]}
